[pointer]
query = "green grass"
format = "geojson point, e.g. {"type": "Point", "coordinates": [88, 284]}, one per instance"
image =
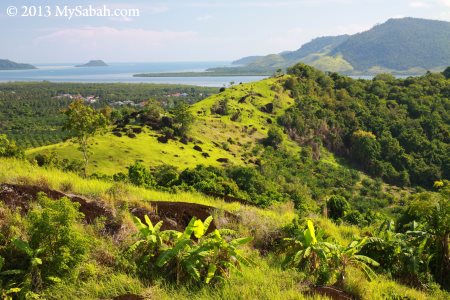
{"type": "Point", "coordinates": [112, 154]}
{"type": "Point", "coordinates": [22, 172]}
{"type": "Point", "coordinates": [264, 280]}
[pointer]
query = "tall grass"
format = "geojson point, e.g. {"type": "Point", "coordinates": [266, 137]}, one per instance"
{"type": "Point", "coordinates": [23, 172]}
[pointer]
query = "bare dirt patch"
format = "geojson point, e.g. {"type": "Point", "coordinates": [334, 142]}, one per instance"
{"type": "Point", "coordinates": [175, 215]}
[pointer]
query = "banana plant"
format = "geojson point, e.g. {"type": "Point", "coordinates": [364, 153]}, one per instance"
{"type": "Point", "coordinates": [307, 251]}
{"type": "Point", "coordinates": [348, 256]}
{"type": "Point", "coordinates": [7, 291]}
{"type": "Point", "coordinates": [33, 280]}
{"type": "Point", "coordinates": [192, 255]}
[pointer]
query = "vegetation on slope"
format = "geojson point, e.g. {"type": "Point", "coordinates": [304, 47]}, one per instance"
{"type": "Point", "coordinates": [286, 175]}
{"type": "Point", "coordinates": [404, 46]}
{"type": "Point", "coordinates": [30, 113]}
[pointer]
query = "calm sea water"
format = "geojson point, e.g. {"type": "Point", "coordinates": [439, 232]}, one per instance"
{"type": "Point", "coordinates": [123, 72]}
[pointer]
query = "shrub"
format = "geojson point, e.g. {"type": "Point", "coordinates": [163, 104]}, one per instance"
{"type": "Point", "coordinates": [139, 175]}
{"type": "Point", "coordinates": [337, 207]}
{"type": "Point", "coordinates": [9, 148]}
{"type": "Point", "coordinates": [274, 137]}
{"type": "Point", "coordinates": [52, 228]}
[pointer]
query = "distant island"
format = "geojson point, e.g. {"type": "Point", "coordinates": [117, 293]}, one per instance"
{"type": "Point", "coordinates": [6, 64]}
{"type": "Point", "coordinates": [93, 63]}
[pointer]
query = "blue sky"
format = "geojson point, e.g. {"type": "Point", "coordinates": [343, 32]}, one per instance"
{"type": "Point", "coordinates": [194, 30]}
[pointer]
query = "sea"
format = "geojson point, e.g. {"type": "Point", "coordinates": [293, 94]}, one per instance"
{"type": "Point", "coordinates": [123, 72]}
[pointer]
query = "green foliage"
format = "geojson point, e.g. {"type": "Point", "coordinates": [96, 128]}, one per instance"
{"type": "Point", "coordinates": [274, 137]}
{"type": "Point", "coordinates": [365, 148]}
{"type": "Point", "coordinates": [31, 111]}
{"type": "Point", "coordinates": [183, 118]}
{"type": "Point", "coordinates": [53, 160]}
{"type": "Point", "coordinates": [166, 175]}
{"type": "Point", "coordinates": [189, 256]}
{"type": "Point", "coordinates": [393, 129]}
{"type": "Point", "coordinates": [446, 73]}
{"type": "Point", "coordinates": [414, 38]}
{"type": "Point", "coordinates": [432, 212]}
{"type": "Point", "coordinates": [307, 251]}
{"type": "Point", "coordinates": [311, 253]}
{"type": "Point", "coordinates": [83, 122]}
{"type": "Point", "coordinates": [337, 207]}
{"type": "Point", "coordinates": [139, 175]}
{"type": "Point", "coordinates": [49, 250]}
{"type": "Point", "coordinates": [345, 257]}
{"type": "Point", "coordinates": [9, 148]}
{"type": "Point", "coordinates": [221, 107]}
{"type": "Point", "coordinates": [55, 238]}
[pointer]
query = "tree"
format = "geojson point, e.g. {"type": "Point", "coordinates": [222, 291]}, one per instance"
{"type": "Point", "coordinates": [183, 118]}
{"type": "Point", "coordinates": [139, 175]}
{"type": "Point", "coordinates": [9, 148]}
{"type": "Point", "coordinates": [432, 211]}
{"type": "Point", "coordinates": [274, 137]}
{"type": "Point", "coordinates": [83, 122]}
{"type": "Point", "coordinates": [337, 207]}
{"type": "Point", "coordinates": [365, 147]}
{"type": "Point", "coordinates": [447, 73]}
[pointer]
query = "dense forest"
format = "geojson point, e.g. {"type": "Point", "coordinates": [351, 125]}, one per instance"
{"type": "Point", "coordinates": [396, 129]}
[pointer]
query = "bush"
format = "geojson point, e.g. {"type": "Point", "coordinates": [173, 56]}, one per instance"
{"type": "Point", "coordinates": [274, 137]}
{"type": "Point", "coordinates": [53, 229]}
{"type": "Point", "coordinates": [337, 206]}
{"type": "Point", "coordinates": [50, 251]}
{"type": "Point", "coordinates": [139, 175]}
{"type": "Point", "coordinates": [9, 148]}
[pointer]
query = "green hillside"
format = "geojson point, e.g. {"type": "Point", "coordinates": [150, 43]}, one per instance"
{"type": "Point", "coordinates": [400, 46]}
{"type": "Point", "coordinates": [113, 154]}
{"type": "Point", "coordinates": [308, 185]}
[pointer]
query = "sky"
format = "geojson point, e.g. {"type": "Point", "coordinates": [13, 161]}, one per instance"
{"type": "Point", "coordinates": [190, 30]}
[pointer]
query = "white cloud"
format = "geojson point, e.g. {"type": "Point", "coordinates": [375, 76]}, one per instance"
{"type": "Point", "coordinates": [111, 43]}
{"type": "Point", "coordinates": [266, 4]}
{"type": "Point", "coordinates": [204, 18]}
{"type": "Point", "coordinates": [444, 2]}
{"type": "Point", "coordinates": [419, 4]}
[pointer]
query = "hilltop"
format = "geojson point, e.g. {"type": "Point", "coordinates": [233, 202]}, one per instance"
{"type": "Point", "coordinates": [113, 154]}
{"type": "Point", "coordinates": [6, 64]}
{"type": "Point", "coordinates": [400, 46]}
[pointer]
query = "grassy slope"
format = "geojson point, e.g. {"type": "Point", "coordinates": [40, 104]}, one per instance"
{"type": "Point", "coordinates": [112, 154]}
{"type": "Point", "coordinates": [265, 280]}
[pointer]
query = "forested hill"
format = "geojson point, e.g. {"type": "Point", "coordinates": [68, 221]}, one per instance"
{"type": "Point", "coordinates": [6, 64]}
{"type": "Point", "coordinates": [407, 45]}
{"type": "Point", "coordinates": [399, 44]}
{"type": "Point", "coordinates": [396, 129]}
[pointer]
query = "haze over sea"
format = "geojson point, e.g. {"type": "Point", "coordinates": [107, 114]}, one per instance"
{"type": "Point", "coordinates": [123, 72]}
